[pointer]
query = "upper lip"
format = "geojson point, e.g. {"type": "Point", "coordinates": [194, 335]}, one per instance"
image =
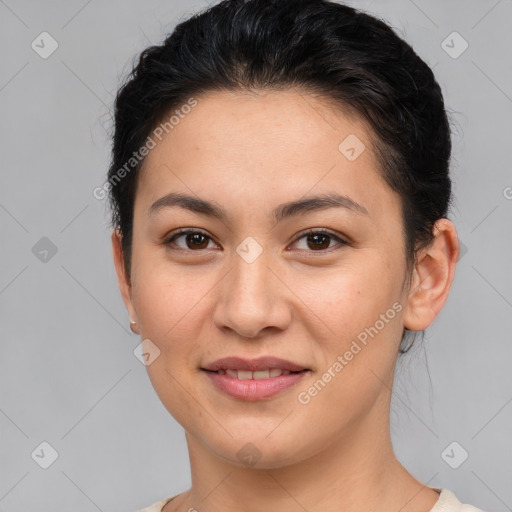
{"type": "Point", "coordinates": [261, 363]}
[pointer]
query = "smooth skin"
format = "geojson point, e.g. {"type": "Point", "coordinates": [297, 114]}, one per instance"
{"type": "Point", "coordinates": [303, 300]}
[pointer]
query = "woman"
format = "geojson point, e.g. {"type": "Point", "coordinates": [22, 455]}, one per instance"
{"type": "Point", "coordinates": [279, 189]}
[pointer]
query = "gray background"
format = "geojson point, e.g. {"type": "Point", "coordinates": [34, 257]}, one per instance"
{"type": "Point", "coordinates": [68, 374]}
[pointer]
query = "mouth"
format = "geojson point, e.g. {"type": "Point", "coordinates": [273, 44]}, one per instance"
{"type": "Point", "coordinates": [269, 373]}
{"type": "Point", "coordinates": [255, 379]}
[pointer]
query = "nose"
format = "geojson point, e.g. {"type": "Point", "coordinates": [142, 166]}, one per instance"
{"type": "Point", "coordinates": [253, 300]}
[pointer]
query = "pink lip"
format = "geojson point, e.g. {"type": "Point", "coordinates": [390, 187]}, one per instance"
{"type": "Point", "coordinates": [253, 389]}
{"type": "Point", "coordinates": [261, 363]}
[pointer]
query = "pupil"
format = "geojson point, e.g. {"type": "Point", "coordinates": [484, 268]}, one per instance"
{"type": "Point", "coordinates": [316, 238]}
{"type": "Point", "coordinates": [196, 239]}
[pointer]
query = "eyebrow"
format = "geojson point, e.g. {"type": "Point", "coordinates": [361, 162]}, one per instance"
{"type": "Point", "coordinates": [281, 212]}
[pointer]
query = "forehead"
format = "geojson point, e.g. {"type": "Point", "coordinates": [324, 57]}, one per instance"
{"type": "Point", "coordinates": [255, 146]}
{"type": "Point", "coordinates": [276, 118]}
{"type": "Point", "coordinates": [284, 126]}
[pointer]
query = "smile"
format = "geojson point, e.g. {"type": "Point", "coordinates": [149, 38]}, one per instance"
{"type": "Point", "coordinates": [260, 374]}
{"type": "Point", "coordinates": [251, 386]}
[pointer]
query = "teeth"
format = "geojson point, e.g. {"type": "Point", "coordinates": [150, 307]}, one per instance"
{"type": "Point", "coordinates": [260, 374]}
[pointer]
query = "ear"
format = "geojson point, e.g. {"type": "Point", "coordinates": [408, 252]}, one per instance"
{"type": "Point", "coordinates": [123, 278]}
{"type": "Point", "coordinates": [432, 278]}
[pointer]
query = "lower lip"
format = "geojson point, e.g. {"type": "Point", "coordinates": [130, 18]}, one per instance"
{"type": "Point", "coordinates": [254, 389]}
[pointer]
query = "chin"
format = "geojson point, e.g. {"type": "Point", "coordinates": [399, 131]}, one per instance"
{"type": "Point", "coordinates": [258, 452]}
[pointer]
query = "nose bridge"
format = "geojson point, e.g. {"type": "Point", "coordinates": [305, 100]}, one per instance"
{"type": "Point", "coordinates": [250, 278]}
{"type": "Point", "coordinates": [250, 299]}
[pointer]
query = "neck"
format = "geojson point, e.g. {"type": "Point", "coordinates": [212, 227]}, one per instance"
{"type": "Point", "coordinates": [357, 471]}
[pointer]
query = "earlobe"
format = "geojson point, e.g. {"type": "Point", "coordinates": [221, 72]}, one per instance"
{"type": "Point", "coordinates": [432, 277]}
{"type": "Point", "coordinates": [122, 278]}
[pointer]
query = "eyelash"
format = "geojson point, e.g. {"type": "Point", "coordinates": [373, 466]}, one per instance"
{"type": "Point", "coordinates": [310, 232]}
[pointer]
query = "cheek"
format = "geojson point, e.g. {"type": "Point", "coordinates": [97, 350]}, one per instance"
{"type": "Point", "coordinates": [358, 355]}
{"type": "Point", "coordinates": [169, 304]}
{"type": "Point", "coordinates": [361, 306]}
{"type": "Point", "coordinates": [352, 297]}
{"type": "Point", "coordinates": [167, 298]}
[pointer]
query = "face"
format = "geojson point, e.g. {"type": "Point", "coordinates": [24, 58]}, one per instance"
{"type": "Point", "coordinates": [252, 282]}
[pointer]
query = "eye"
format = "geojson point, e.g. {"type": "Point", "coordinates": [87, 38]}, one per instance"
{"type": "Point", "coordinates": [195, 239]}
{"type": "Point", "coordinates": [319, 239]}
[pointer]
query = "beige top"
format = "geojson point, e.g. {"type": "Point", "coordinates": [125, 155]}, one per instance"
{"type": "Point", "coordinates": [447, 502]}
